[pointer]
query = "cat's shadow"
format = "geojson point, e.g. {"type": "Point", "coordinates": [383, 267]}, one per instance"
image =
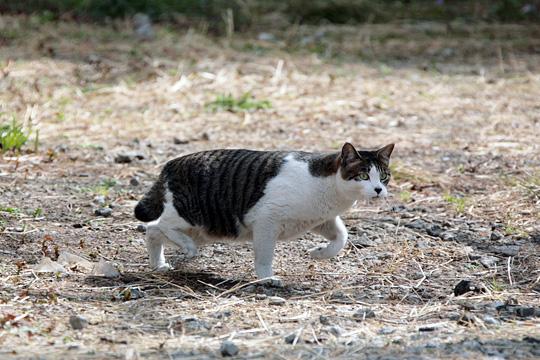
{"type": "Point", "coordinates": [195, 283]}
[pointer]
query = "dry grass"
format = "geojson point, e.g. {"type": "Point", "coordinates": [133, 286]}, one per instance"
{"type": "Point", "coordinates": [462, 107]}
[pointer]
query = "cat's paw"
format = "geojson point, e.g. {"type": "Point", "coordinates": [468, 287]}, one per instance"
{"type": "Point", "coordinates": [163, 267]}
{"type": "Point", "coordinates": [272, 281]}
{"type": "Point", "coordinates": [319, 253]}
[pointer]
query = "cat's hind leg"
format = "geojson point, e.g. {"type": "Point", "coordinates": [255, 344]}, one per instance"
{"type": "Point", "coordinates": [155, 240]}
{"type": "Point", "coordinates": [335, 231]}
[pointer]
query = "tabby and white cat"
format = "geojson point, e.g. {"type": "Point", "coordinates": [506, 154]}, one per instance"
{"type": "Point", "coordinates": [263, 196]}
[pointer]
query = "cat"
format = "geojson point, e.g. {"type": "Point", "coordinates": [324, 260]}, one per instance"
{"type": "Point", "coordinates": [263, 196]}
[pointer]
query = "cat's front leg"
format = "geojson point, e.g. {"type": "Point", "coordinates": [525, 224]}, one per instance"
{"type": "Point", "coordinates": [265, 235]}
{"type": "Point", "coordinates": [335, 231]}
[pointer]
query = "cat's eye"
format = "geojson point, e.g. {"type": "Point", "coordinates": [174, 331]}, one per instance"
{"type": "Point", "coordinates": [384, 177]}
{"type": "Point", "coordinates": [363, 176]}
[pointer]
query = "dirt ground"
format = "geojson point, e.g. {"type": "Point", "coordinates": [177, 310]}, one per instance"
{"type": "Point", "coordinates": [460, 101]}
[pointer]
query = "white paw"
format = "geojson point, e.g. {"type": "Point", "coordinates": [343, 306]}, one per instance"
{"type": "Point", "coordinates": [190, 253]}
{"type": "Point", "coordinates": [319, 252]}
{"type": "Point", "coordinates": [162, 267]}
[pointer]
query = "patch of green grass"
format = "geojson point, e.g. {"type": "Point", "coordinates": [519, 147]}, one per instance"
{"type": "Point", "coordinates": [405, 196]}
{"type": "Point", "coordinates": [38, 212]}
{"type": "Point", "coordinates": [458, 202]}
{"type": "Point", "coordinates": [10, 210]}
{"type": "Point", "coordinates": [245, 102]}
{"type": "Point", "coordinates": [12, 136]}
{"type": "Point", "coordinates": [103, 188]}
{"type": "Point", "coordinates": [497, 286]}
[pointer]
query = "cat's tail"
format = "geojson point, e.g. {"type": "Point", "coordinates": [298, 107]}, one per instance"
{"type": "Point", "coordinates": [151, 205]}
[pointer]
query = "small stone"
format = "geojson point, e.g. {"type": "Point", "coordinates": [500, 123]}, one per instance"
{"type": "Point", "coordinates": [289, 339]}
{"type": "Point", "coordinates": [490, 320]}
{"type": "Point", "coordinates": [228, 348]}
{"type": "Point", "coordinates": [364, 241]}
{"type": "Point", "coordinates": [261, 296]}
{"type": "Point", "coordinates": [335, 330]}
{"type": "Point", "coordinates": [418, 224]}
{"type": "Point", "coordinates": [100, 200]}
{"type": "Point", "coordinates": [104, 212]}
{"type": "Point", "coordinates": [178, 141]}
{"type": "Point", "coordinates": [141, 228]}
{"type": "Point", "coordinates": [192, 324]}
{"type": "Point", "coordinates": [106, 269]}
{"type": "Point", "coordinates": [77, 322]}
{"type": "Point", "coordinates": [47, 265]}
{"type": "Point", "coordinates": [324, 320]}
{"type": "Point", "coordinates": [131, 293]}
{"type": "Point", "coordinates": [364, 313]}
{"type": "Point", "coordinates": [276, 300]}
{"type": "Point", "coordinates": [434, 230]}
{"type": "Point", "coordinates": [222, 314]}
{"type": "Point", "coordinates": [495, 236]}
{"type": "Point", "coordinates": [489, 261]}
{"type": "Point", "coordinates": [430, 327]}
{"type": "Point", "coordinates": [524, 311]}
{"type": "Point", "coordinates": [264, 36]}
{"type": "Point", "coordinates": [122, 159]}
{"type": "Point", "coordinates": [387, 330]}
{"type": "Point", "coordinates": [126, 158]}
{"type": "Point", "coordinates": [134, 181]}
{"type": "Point", "coordinates": [505, 250]}
{"type": "Point", "coordinates": [465, 286]}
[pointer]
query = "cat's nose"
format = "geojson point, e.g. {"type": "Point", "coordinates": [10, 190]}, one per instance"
{"type": "Point", "coordinates": [378, 190]}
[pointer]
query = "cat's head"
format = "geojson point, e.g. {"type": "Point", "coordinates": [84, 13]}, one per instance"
{"type": "Point", "coordinates": [364, 174]}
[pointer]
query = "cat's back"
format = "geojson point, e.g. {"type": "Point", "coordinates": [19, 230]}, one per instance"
{"type": "Point", "coordinates": [216, 188]}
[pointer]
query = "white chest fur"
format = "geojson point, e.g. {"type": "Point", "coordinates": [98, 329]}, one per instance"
{"type": "Point", "coordinates": [297, 201]}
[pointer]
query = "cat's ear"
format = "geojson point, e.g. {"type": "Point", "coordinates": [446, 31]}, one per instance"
{"type": "Point", "coordinates": [348, 153]}
{"type": "Point", "coordinates": [385, 152]}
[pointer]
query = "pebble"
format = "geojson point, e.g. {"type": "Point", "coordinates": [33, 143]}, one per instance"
{"type": "Point", "coordinates": [104, 212]}
{"type": "Point", "coordinates": [489, 261]}
{"type": "Point", "coordinates": [100, 200]}
{"type": "Point", "coordinates": [364, 313]}
{"type": "Point", "coordinates": [324, 320]}
{"type": "Point", "coordinates": [505, 250]}
{"type": "Point", "coordinates": [465, 286]}
{"type": "Point", "coordinates": [178, 141]}
{"type": "Point", "coordinates": [434, 230]}
{"type": "Point", "coordinates": [289, 339]}
{"type": "Point", "coordinates": [490, 320]}
{"type": "Point", "coordinates": [336, 330]}
{"type": "Point", "coordinates": [134, 181]}
{"type": "Point", "coordinates": [126, 158]}
{"type": "Point", "coordinates": [228, 348]}
{"type": "Point", "coordinates": [77, 322]}
{"type": "Point", "coordinates": [141, 228]}
{"type": "Point", "coordinates": [418, 224]}
{"type": "Point", "coordinates": [264, 36]}
{"type": "Point", "coordinates": [495, 236]}
{"type": "Point", "coordinates": [276, 300]}
{"type": "Point", "coordinates": [387, 330]}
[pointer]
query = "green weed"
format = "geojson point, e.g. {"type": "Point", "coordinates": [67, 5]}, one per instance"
{"type": "Point", "coordinates": [497, 286]}
{"type": "Point", "coordinates": [405, 196]}
{"type": "Point", "coordinates": [10, 210]}
{"type": "Point", "coordinates": [458, 202]}
{"type": "Point", "coordinates": [12, 136]}
{"type": "Point", "coordinates": [38, 212]}
{"type": "Point", "coordinates": [244, 103]}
